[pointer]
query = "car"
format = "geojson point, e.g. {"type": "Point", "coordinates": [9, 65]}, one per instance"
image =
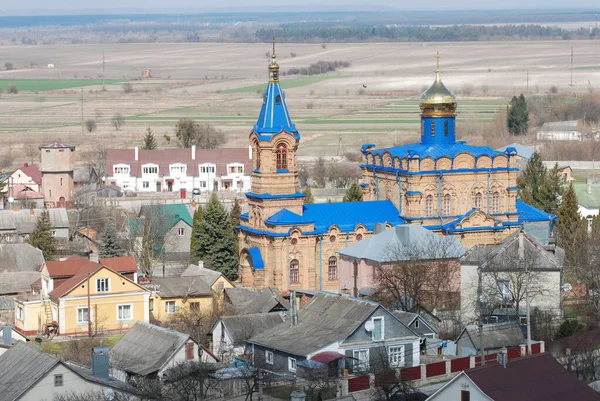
{"type": "Point", "coordinates": [196, 191]}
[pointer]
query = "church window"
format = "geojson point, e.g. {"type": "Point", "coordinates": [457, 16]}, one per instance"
{"type": "Point", "coordinates": [281, 157]}
{"type": "Point", "coordinates": [429, 205]}
{"type": "Point", "coordinates": [332, 268]}
{"type": "Point", "coordinates": [294, 241]}
{"type": "Point", "coordinates": [422, 127]}
{"type": "Point", "coordinates": [359, 237]}
{"type": "Point", "coordinates": [278, 99]}
{"type": "Point", "coordinates": [294, 271]}
{"type": "Point", "coordinates": [478, 200]}
{"type": "Point", "coordinates": [433, 128]}
{"type": "Point", "coordinates": [446, 128]}
{"type": "Point", "coordinates": [496, 202]}
{"type": "Point", "coordinates": [447, 205]}
{"type": "Point", "coordinates": [332, 238]}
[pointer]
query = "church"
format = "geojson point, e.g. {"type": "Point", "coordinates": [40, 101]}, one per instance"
{"type": "Point", "coordinates": [446, 185]}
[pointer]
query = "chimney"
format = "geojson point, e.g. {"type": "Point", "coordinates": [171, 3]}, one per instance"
{"type": "Point", "coordinates": [137, 153]}
{"type": "Point", "coordinates": [503, 357]}
{"type": "Point", "coordinates": [100, 363]}
{"type": "Point", "coordinates": [193, 152]}
{"type": "Point", "coordinates": [7, 335]}
{"type": "Point", "coordinates": [521, 245]}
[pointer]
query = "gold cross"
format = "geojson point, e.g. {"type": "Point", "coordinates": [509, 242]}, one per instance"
{"type": "Point", "coordinates": [273, 45]}
{"type": "Point", "coordinates": [437, 56]}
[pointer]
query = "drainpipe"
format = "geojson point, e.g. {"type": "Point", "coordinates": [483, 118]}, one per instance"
{"type": "Point", "coordinates": [488, 191]}
{"type": "Point", "coordinates": [376, 183]}
{"type": "Point", "coordinates": [399, 192]}
{"type": "Point", "coordinates": [321, 263]}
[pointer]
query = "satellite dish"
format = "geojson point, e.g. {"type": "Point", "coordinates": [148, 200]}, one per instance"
{"type": "Point", "coordinates": [566, 287]}
{"type": "Point", "coordinates": [11, 199]}
{"type": "Point", "coordinates": [109, 394]}
{"type": "Point", "coordinates": [370, 326]}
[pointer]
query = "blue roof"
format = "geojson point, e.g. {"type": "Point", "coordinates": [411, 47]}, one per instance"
{"type": "Point", "coordinates": [522, 150]}
{"type": "Point", "coordinates": [528, 213]}
{"type": "Point", "coordinates": [347, 215]}
{"type": "Point", "coordinates": [286, 217]}
{"type": "Point", "coordinates": [274, 116]}
{"type": "Point", "coordinates": [271, 196]}
{"type": "Point", "coordinates": [257, 260]}
{"type": "Point", "coordinates": [437, 151]}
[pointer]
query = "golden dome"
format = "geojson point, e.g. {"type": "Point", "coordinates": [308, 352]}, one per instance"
{"type": "Point", "coordinates": [438, 101]}
{"type": "Point", "coordinates": [273, 66]}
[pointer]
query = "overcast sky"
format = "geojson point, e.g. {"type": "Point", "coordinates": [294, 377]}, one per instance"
{"type": "Point", "coordinates": [288, 4]}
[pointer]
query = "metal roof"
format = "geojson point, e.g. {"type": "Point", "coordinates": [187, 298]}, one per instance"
{"type": "Point", "coordinates": [522, 150]}
{"type": "Point", "coordinates": [249, 301]}
{"type": "Point", "coordinates": [24, 220]}
{"type": "Point", "coordinates": [494, 335]}
{"type": "Point", "coordinates": [590, 200]}
{"type": "Point", "coordinates": [242, 327]}
{"type": "Point", "coordinates": [274, 116]}
{"type": "Point", "coordinates": [437, 151]}
{"type": "Point", "coordinates": [209, 276]}
{"type": "Point", "coordinates": [176, 287]}
{"type": "Point", "coordinates": [20, 257]}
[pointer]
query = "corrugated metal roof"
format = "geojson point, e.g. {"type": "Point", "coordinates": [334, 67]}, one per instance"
{"type": "Point", "coordinates": [494, 335]}
{"type": "Point", "coordinates": [242, 327]}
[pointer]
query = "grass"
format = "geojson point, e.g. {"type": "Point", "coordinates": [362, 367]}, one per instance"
{"type": "Point", "coordinates": [203, 118]}
{"type": "Point", "coordinates": [285, 84]}
{"type": "Point", "coordinates": [38, 85]}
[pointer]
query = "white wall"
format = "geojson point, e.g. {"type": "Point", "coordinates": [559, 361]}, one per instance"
{"type": "Point", "coordinates": [45, 390]}
{"type": "Point", "coordinates": [452, 390]}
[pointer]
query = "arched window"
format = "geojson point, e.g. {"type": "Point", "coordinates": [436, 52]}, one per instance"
{"type": "Point", "coordinates": [281, 156]}
{"type": "Point", "coordinates": [294, 271]}
{"type": "Point", "coordinates": [429, 205]}
{"type": "Point", "coordinates": [332, 268]}
{"type": "Point", "coordinates": [496, 202]}
{"type": "Point", "coordinates": [446, 205]}
{"type": "Point", "coordinates": [478, 200]}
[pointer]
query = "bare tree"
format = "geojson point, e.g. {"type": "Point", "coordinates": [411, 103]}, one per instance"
{"type": "Point", "coordinates": [117, 121]}
{"type": "Point", "coordinates": [205, 136]}
{"type": "Point", "coordinates": [190, 381]}
{"type": "Point", "coordinates": [99, 396]}
{"type": "Point", "coordinates": [389, 383]}
{"type": "Point", "coordinates": [90, 125]}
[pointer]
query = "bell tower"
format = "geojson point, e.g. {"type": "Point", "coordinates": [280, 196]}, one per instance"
{"type": "Point", "coordinates": [274, 140]}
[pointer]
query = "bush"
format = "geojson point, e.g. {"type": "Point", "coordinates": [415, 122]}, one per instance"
{"type": "Point", "coordinates": [127, 87]}
{"type": "Point", "coordinates": [12, 88]}
{"type": "Point", "coordinates": [90, 125]}
{"type": "Point", "coordinates": [320, 67]}
{"type": "Point", "coordinates": [117, 121]}
{"type": "Point", "coordinates": [9, 66]}
{"type": "Point", "coordinates": [310, 105]}
{"type": "Point", "coordinates": [293, 55]}
{"type": "Point", "coordinates": [568, 328]}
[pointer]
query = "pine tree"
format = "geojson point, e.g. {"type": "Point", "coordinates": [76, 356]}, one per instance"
{"type": "Point", "coordinates": [196, 228]}
{"type": "Point", "coordinates": [552, 190]}
{"type": "Point", "coordinates": [216, 242]}
{"type": "Point", "coordinates": [234, 214]}
{"type": "Point", "coordinates": [354, 193]}
{"type": "Point", "coordinates": [531, 181]}
{"type": "Point", "coordinates": [109, 248]}
{"type": "Point", "coordinates": [568, 226]}
{"type": "Point", "coordinates": [41, 236]}
{"type": "Point", "coordinates": [517, 116]}
{"type": "Point", "coordinates": [149, 142]}
{"type": "Point", "coordinates": [308, 198]}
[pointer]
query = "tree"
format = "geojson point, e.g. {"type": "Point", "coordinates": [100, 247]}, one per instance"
{"type": "Point", "coordinates": [9, 66]}
{"type": "Point", "coordinates": [216, 242]}
{"type": "Point", "coordinates": [117, 121]}
{"type": "Point", "coordinates": [149, 142]}
{"type": "Point", "coordinates": [110, 247]}
{"type": "Point", "coordinates": [196, 228]}
{"type": "Point", "coordinates": [389, 383]}
{"type": "Point", "coordinates": [205, 136]}
{"type": "Point", "coordinates": [90, 125]}
{"type": "Point", "coordinates": [568, 226]}
{"type": "Point", "coordinates": [309, 198]}
{"type": "Point", "coordinates": [234, 214]}
{"type": "Point", "coordinates": [354, 193]}
{"type": "Point", "coordinates": [41, 236]}
{"type": "Point", "coordinates": [568, 328]}
{"type": "Point", "coordinates": [539, 187]}
{"type": "Point", "coordinates": [517, 117]}
{"type": "Point", "coordinates": [552, 190]}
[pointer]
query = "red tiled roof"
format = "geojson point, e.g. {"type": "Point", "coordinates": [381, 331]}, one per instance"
{"type": "Point", "coordinates": [120, 264]}
{"type": "Point", "coordinates": [82, 272]}
{"type": "Point", "coordinates": [70, 266]}
{"type": "Point", "coordinates": [24, 192]}
{"type": "Point", "coordinates": [164, 157]}
{"type": "Point", "coordinates": [533, 378]}
{"type": "Point", "coordinates": [32, 171]}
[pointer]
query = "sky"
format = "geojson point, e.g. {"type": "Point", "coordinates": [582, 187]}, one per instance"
{"type": "Point", "coordinates": [289, 5]}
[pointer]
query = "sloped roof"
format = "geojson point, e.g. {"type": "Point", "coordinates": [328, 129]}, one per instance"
{"type": "Point", "coordinates": [16, 282]}
{"type": "Point", "coordinates": [285, 216]}
{"type": "Point", "coordinates": [325, 319]}
{"type": "Point", "coordinates": [249, 301]}
{"type": "Point", "coordinates": [408, 317]}
{"type": "Point", "coordinates": [242, 327]}
{"type": "Point", "coordinates": [494, 335]}
{"type": "Point", "coordinates": [176, 287]}
{"type": "Point", "coordinates": [24, 221]}
{"type": "Point", "coordinates": [20, 257]}
{"type": "Point", "coordinates": [396, 243]}
{"type": "Point", "coordinates": [532, 378]}
{"type": "Point", "coordinates": [522, 150]}
{"type": "Point", "coordinates": [33, 171]}
{"type": "Point", "coordinates": [80, 275]}
{"type": "Point", "coordinates": [69, 266]}
{"type": "Point", "coordinates": [83, 173]}
{"type": "Point", "coordinates": [57, 145]}
{"type": "Point", "coordinates": [274, 116]}
{"type": "Point", "coordinates": [145, 348]}
{"type": "Point", "coordinates": [209, 276]}
{"type": "Point", "coordinates": [570, 125]}
{"type": "Point", "coordinates": [168, 216]}
{"type": "Point", "coordinates": [528, 213]}
{"type": "Point", "coordinates": [589, 200]}
{"type": "Point", "coordinates": [436, 151]}
{"type": "Point", "coordinates": [25, 192]}
{"type": "Point", "coordinates": [120, 264]}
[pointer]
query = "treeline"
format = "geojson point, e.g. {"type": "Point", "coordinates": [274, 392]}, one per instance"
{"type": "Point", "coordinates": [359, 33]}
{"type": "Point", "coordinates": [320, 67]}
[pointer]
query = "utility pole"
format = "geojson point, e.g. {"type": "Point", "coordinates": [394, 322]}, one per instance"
{"type": "Point", "coordinates": [81, 109]}
{"type": "Point", "coordinates": [481, 343]}
{"type": "Point", "coordinates": [89, 308]}
{"type": "Point", "coordinates": [571, 84]}
{"type": "Point", "coordinates": [103, 66]}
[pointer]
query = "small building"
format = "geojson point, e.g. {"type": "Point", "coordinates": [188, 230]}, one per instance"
{"type": "Point", "coordinates": [27, 175]}
{"type": "Point", "coordinates": [148, 351]}
{"type": "Point", "coordinates": [230, 333]}
{"type": "Point", "coordinates": [23, 271]}
{"type": "Point", "coordinates": [242, 301]}
{"type": "Point", "coordinates": [57, 163]}
{"type": "Point", "coordinates": [522, 155]}
{"type": "Point", "coordinates": [63, 270]}
{"type": "Point", "coordinates": [588, 199]}
{"type": "Point", "coordinates": [29, 374]}
{"type": "Point", "coordinates": [84, 176]}
{"type": "Point", "coordinates": [559, 131]}
{"type": "Point", "coordinates": [495, 337]}
{"type": "Point", "coordinates": [344, 328]}
{"type": "Point", "coordinates": [537, 377]}
{"type": "Point", "coordinates": [27, 198]}
{"type": "Point", "coordinates": [16, 225]}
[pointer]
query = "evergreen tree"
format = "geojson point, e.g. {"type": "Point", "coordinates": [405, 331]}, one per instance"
{"type": "Point", "coordinates": [196, 228]}
{"type": "Point", "coordinates": [149, 142]}
{"type": "Point", "coordinates": [109, 248]}
{"type": "Point", "coordinates": [552, 190]}
{"type": "Point", "coordinates": [41, 236]}
{"type": "Point", "coordinates": [234, 214]}
{"type": "Point", "coordinates": [569, 225]}
{"type": "Point", "coordinates": [309, 198]}
{"type": "Point", "coordinates": [216, 242]}
{"type": "Point", "coordinates": [517, 116]}
{"type": "Point", "coordinates": [539, 187]}
{"type": "Point", "coordinates": [354, 193]}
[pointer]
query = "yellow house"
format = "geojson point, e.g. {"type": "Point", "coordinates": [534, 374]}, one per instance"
{"type": "Point", "coordinates": [96, 299]}
{"type": "Point", "coordinates": [197, 290]}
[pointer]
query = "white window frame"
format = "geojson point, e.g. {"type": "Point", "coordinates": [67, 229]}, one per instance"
{"type": "Point", "coordinates": [120, 308]}
{"type": "Point", "coordinates": [178, 169]}
{"type": "Point", "coordinates": [292, 364]}
{"type": "Point", "coordinates": [382, 329]}
{"type": "Point", "coordinates": [59, 380]}
{"type": "Point", "coordinates": [167, 303]}
{"type": "Point", "coordinates": [361, 364]}
{"type": "Point", "coordinates": [145, 184]}
{"type": "Point", "coordinates": [121, 169]}
{"type": "Point", "coordinates": [396, 356]}
{"type": "Point", "coordinates": [82, 322]}
{"type": "Point", "coordinates": [207, 168]}
{"type": "Point", "coordinates": [181, 231]}
{"type": "Point", "coordinates": [148, 169]}
{"type": "Point", "coordinates": [19, 313]}
{"type": "Point", "coordinates": [269, 357]}
{"type": "Point", "coordinates": [202, 184]}
{"type": "Point", "coordinates": [104, 279]}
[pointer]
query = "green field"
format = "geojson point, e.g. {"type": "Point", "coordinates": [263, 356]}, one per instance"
{"type": "Point", "coordinates": [285, 84]}
{"type": "Point", "coordinates": [38, 85]}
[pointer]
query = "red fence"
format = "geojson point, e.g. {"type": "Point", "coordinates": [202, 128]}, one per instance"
{"type": "Point", "coordinates": [456, 365]}
{"type": "Point", "coordinates": [413, 373]}
{"type": "Point", "coordinates": [435, 369]}
{"type": "Point", "coordinates": [514, 353]}
{"type": "Point", "coordinates": [536, 348]}
{"type": "Point", "coordinates": [358, 384]}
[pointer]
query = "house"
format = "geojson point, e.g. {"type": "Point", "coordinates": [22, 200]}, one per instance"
{"type": "Point", "coordinates": [523, 152]}
{"type": "Point", "coordinates": [10, 336]}
{"type": "Point", "coordinates": [537, 377]}
{"type": "Point", "coordinates": [147, 350]}
{"type": "Point", "coordinates": [116, 302]}
{"type": "Point", "coordinates": [27, 198]}
{"type": "Point", "coordinates": [494, 286]}
{"type": "Point", "coordinates": [417, 323]}
{"type": "Point", "coordinates": [170, 226]}
{"type": "Point", "coordinates": [27, 175]}
{"type": "Point", "coordinates": [84, 176]}
{"type": "Point", "coordinates": [230, 333]}
{"type": "Point", "coordinates": [173, 169]}
{"type": "Point", "coordinates": [197, 290]}
{"type": "Point", "coordinates": [109, 191]}
{"type": "Point", "coordinates": [559, 131]}
{"type": "Point", "coordinates": [495, 337]}
{"type": "Point", "coordinates": [16, 225]}
{"type": "Point", "coordinates": [57, 163]}
{"type": "Point", "coordinates": [588, 199]}
{"type": "Point", "coordinates": [23, 270]}
{"type": "Point", "coordinates": [29, 374]}
{"type": "Point", "coordinates": [343, 328]}
{"type": "Point", "coordinates": [359, 263]}
{"type": "Point", "coordinates": [248, 301]}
